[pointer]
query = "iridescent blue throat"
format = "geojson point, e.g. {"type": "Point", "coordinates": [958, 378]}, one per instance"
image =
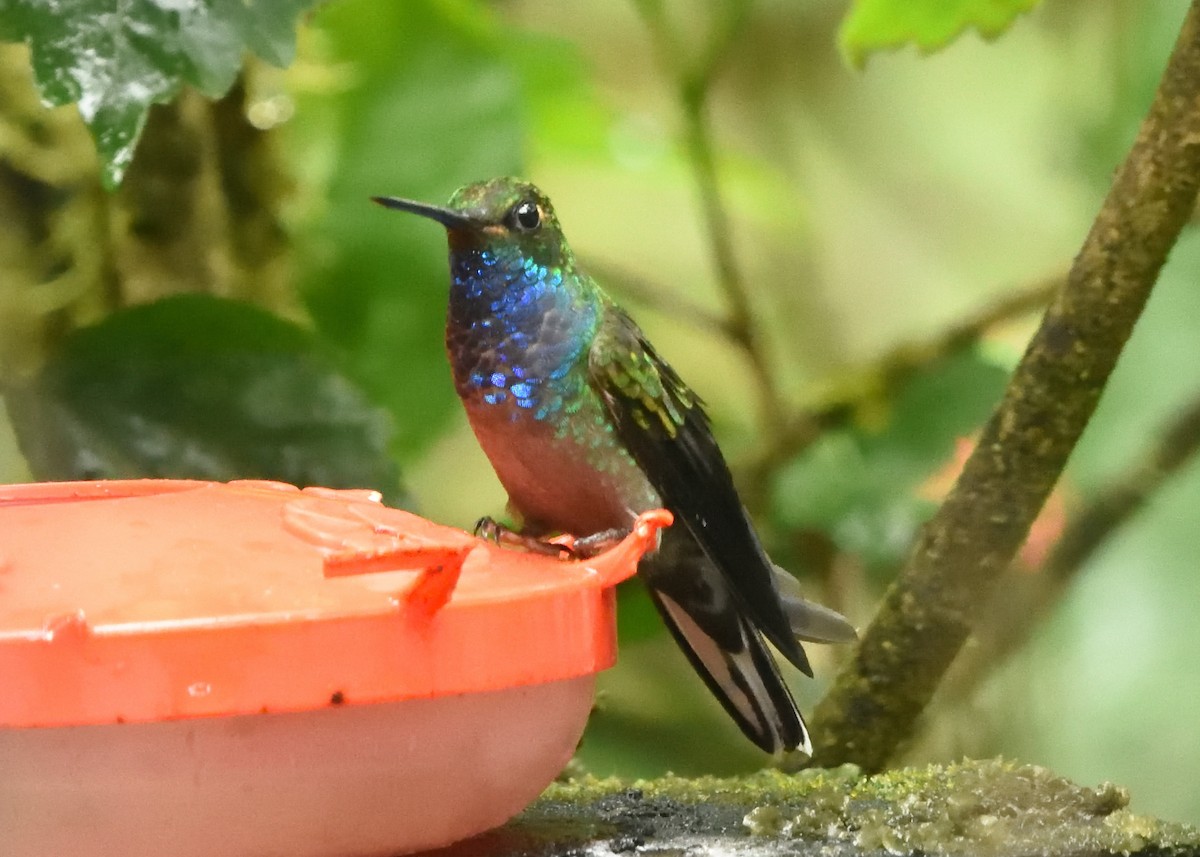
{"type": "Point", "coordinates": [516, 331]}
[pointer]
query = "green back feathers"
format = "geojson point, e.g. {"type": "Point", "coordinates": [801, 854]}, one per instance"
{"type": "Point", "coordinates": [625, 367]}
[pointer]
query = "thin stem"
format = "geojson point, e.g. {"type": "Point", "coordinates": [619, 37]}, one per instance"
{"type": "Point", "coordinates": [887, 374]}
{"type": "Point", "coordinates": [742, 323]}
{"type": "Point", "coordinates": [1123, 498]}
{"type": "Point", "coordinates": [640, 290]}
{"type": "Point", "coordinates": [694, 83]}
{"type": "Point", "coordinates": [928, 612]}
{"type": "Point", "coordinates": [670, 52]}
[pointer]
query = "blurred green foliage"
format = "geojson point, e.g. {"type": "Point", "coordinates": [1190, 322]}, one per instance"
{"type": "Point", "coordinates": [867, 209]}
{"type": "Point", "coordinates": [861, 485]}
{"type": "Point", "coordinates": [423, 101]}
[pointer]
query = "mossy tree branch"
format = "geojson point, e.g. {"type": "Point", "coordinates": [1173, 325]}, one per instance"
{"type": "Point", "coordinates": [928, 612]}
{"type": "Point", "coordinates": [1026, 594]}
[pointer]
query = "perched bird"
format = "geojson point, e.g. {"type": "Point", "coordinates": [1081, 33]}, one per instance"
{"type": "Point", "coordinates": [586, 426]}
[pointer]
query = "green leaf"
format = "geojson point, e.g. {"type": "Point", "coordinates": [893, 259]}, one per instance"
{"type": "Point", "coordinates": [200, 387]}
{"type": "Point", "coordinates": [860, 485]}
{"type": "Point", "coordinates": [115, 58]}
{"type": "Point", "coordinates": [428, 104]}
{"type": "Point", "coordinates": [875, 25]}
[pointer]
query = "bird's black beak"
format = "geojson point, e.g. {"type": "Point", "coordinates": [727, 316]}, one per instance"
{"type": "Point", "coordinates": [446, 217]}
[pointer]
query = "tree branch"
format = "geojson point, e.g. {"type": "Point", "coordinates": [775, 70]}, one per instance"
{"type": "Point", "coordinates": [1028, 593]}
{"type": "Point", "coordinates": [928, 612]}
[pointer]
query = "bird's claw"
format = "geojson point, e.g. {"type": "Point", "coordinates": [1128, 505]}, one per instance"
{"type": "Point", "coordinates": [492, 530]}
{"type": "Point", "coordinates": [487, 528]}
{"type": "Point", "coordinates": [586, 547]}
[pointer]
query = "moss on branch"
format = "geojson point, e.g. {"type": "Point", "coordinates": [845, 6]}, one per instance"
{"type": "Point", "coordinates": [929, 610]}
{"type": "Point", "coordinates": [990, 808]}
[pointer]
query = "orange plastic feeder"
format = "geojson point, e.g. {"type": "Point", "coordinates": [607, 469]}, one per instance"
{"type": "Point", "coordinates": [193, 668]}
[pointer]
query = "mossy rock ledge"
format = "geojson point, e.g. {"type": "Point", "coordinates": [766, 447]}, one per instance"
{"type": "Point", "coordinates": [991, 808]}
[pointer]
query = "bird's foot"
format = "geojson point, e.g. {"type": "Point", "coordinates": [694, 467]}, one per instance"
{"type": "Point", "coordinates": [585, 547]}
{"type": "Point", "coordinates": [494, 531]}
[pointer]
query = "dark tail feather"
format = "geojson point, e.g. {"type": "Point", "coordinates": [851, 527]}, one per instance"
{"type": "Point", "coordinates": [813, 623]}
{"type": "Point", "coordinates": [745, 680]}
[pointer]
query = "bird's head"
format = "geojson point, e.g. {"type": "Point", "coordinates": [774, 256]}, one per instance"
{"type": "Point", "coordinates": [501, 215]}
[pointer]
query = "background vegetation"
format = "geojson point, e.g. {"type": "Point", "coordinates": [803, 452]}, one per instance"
{"type": "Point", "coordinates": [845, 262]}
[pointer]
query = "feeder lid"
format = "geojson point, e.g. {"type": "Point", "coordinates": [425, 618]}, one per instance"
{"type": "Point", "coordinates": [156, 599]}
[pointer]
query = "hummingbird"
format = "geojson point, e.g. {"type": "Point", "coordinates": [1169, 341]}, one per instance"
{"type": "Point", "coordinates": [586, 426]}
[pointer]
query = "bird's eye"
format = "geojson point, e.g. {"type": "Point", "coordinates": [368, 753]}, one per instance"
{"type": "Point", "coordinates": [525, 216]}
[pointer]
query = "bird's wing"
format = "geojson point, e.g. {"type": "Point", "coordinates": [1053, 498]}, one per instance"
{"type": "Point", "coordinates": [663, 425]}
